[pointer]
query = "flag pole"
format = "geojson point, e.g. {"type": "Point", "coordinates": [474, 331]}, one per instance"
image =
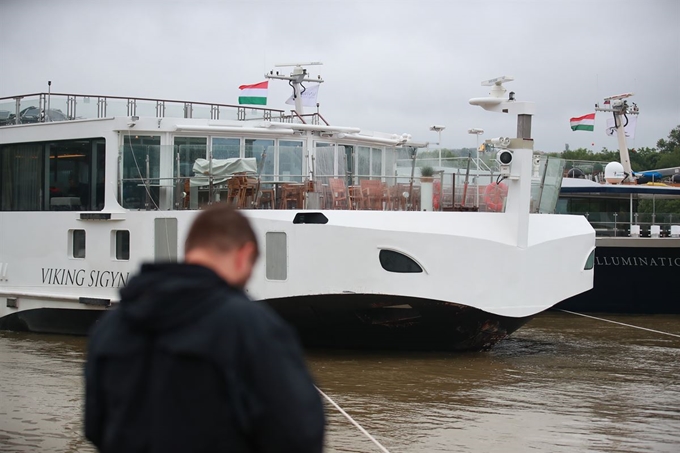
{"type": "Point", "coordinates": [295, 79]}
{"type": "Point", "coordinates": [620, 108]}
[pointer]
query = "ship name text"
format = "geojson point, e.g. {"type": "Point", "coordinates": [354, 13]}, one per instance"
{"type": "Point", "coordinates": [81, 277]}
{"type": "Point", "coordinates": [636, 261]}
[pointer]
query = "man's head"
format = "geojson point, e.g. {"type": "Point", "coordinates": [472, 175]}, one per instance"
{"type": "Point", "coordinates": [221, 239]}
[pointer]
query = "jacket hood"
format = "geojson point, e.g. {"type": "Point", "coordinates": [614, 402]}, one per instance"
{"type": "Point", "coordinates": [164, 296]}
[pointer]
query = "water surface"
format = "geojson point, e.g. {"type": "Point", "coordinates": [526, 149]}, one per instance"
{"type": "Point", "coordinates": [562, 383]}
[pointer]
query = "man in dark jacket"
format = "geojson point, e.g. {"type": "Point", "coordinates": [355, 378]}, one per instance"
{"type": "Point", "coordinates": [187, 363]}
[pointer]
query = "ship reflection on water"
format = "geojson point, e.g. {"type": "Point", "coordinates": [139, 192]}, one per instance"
{"type": "Point", "coordinates": [561, 384]}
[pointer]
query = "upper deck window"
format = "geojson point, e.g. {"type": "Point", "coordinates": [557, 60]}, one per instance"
{"type": "Point", "coordinates": [258, 148]}
{"type": "Point", "coordinates": [226, 148]}
{"type": "Point", "coordinates": [141, 171]}
{"type": "Point", "coordinates": [22, 168]}
{"type": "Point", "coordinates": [190, 149]}
{"type": "Point", "coordinates": [59, 175]}
{"type": "Point", "coordinates": [290, 160]}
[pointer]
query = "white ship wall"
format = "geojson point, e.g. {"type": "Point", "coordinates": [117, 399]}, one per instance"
{"type": "Point", "coordinates": [459, 252]}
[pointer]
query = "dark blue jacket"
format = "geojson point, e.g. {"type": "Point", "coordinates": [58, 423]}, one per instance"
{"type": "Point", "coordinates": [187, 363]}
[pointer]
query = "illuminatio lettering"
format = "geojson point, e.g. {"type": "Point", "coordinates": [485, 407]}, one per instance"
{"type": "Point", "coordinates": [660, 261]}
{"type": "Point", "coordinates": [81, 277]}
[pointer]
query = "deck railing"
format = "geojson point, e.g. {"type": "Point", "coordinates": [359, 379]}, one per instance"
{"type": "Point", "coordinates": [50, 107]}
{"type": "Point", "coordinates": [264, 189]}
{"type": "Point", "coordinates": [618, 224]}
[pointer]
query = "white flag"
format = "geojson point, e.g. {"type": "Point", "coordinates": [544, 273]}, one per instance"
{"type": "Point", "coordinates": [629, 129]}
{"type": "Point", "coordinates": [308, 96]}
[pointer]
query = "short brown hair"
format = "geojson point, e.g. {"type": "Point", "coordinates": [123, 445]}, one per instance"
{"type": "Point", "coordinates": [222, 227]}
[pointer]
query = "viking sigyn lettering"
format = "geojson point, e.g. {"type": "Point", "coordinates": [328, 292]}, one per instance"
{"type": "Point", "coordinates": [80, 277]}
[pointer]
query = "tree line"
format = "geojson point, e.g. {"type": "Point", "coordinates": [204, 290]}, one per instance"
{"type": "Point", "coordinates": [665, 155]}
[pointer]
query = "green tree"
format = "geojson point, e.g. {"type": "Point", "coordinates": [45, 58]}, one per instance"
{"type": "Point", "coordinates": [669, 150]}
{"type": "Point", "coordinates": [644, 159]}
{"type": "Point", "coordinates": [662, 206]}
{"type": "Point", "coordinates": [668, 155]}
{"type": "Point", "coordinates": [585, 154]}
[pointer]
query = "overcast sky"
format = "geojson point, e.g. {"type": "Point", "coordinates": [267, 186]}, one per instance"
{"type": "Point", "coordinates": [393, 66]}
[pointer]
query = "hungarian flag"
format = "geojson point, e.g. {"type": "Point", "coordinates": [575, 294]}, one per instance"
{"type": "Point", "coordinates": [583, 123]}
{"type": "Point", "coordinates": [253, 94]}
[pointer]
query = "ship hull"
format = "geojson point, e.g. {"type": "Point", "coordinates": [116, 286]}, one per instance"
{"type": "Point", "coordinates": [361, 321]}
{"type": "Point", "coordinates": [52, 320]}
{"type": "Point", "coordinates": [637, 276]}
{"type": "Point", "coordinates": [356, 321]}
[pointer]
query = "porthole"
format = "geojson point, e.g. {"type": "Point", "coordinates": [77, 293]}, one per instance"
{"type": "Point", "coordinates": [590, 262]}
{"type": "Point", "coordinates": [393, 261]}
{"type": "Point", "coordinates": [77, 240]}
{"type": "Point", "coordinates": [122, 244]}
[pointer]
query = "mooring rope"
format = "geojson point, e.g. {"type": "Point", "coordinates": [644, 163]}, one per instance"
{"type": "Point", "coordinates": [622, 323]}
{"type": "Point", "coordinates": [383, 449]}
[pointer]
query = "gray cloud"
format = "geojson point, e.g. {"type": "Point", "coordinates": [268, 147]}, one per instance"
{"type": "Point", "coordinates": [394, 66]}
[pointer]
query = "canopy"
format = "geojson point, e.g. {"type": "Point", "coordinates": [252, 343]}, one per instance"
{"type": "Point", "coordinates": [651, 174]}
{"type": "Point", "coordinates": [222, 169]}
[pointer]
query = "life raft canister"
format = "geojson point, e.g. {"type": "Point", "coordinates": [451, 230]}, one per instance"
{"type": "Point", "coordinates": [494, 195]}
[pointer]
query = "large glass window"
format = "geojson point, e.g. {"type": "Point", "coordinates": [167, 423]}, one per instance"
{"type": "Point", "coordinates": [61, 175]}
{"type": "Point", "coordinates": [376, 162]}
{"type": "Point", "coordinates": [390, 164]}
{"type": "Point", "coordinates": [190, 149]}
{"type": "Point", "coordinates": [21, 176]}
{"type": "Point", "coordinates": [324, 161]}
{"type": "Point", "coordinates": [349, 157]}
{"type": "Point", "coordinates": [226, 148]}
{"type": "Point", "coordinates": [141, 170]}
{"type": "Point", "coordinates": [69, 175]}
{"type": "Point", "coordinates": [364, 162]}
{"type": "Point", "coordinates": [290, 160]}
{"type": "Point", "coordinates": [256, 148]}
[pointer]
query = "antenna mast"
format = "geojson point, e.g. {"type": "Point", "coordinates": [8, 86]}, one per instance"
{"type": "Point", "coordinates": [295, 79]}
{"type": "Point", "coordinates": [619, 107]}
{"type": "Point", "coordinates": [499, 102]}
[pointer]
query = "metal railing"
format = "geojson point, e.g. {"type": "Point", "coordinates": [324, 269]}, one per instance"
{"type": "Point", "coordinates": [50, 107]}
{"type": "Point", "coordinates": [607, 224]}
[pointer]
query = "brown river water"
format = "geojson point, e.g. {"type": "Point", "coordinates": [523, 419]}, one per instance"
{"type": "Point", "coordinates": [562, 383]}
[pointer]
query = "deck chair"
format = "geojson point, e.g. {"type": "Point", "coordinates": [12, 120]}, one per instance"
{"type": "Point", "coordinates": [338, 193]}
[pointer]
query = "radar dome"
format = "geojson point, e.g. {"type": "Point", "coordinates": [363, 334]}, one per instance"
{"type": "Point", "coordinates": [613, 173]}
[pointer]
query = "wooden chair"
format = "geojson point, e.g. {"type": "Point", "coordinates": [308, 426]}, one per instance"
{"type": "Point", "coordinates": [249, 188]}
{"type": "Point", "coordinates": [356, 198]}
{"type": "Point", "coordinates": [375, 194]}
{"type": "Point", "coordinates": [236, 190]}
{"type": "Point", "coordinates": [415, 201]}
{"type": "Point", "coordinates": [326, 198]}
{"type": "Point", "coordinates": [338, 193]}
{"type": "Point", "coordinates": [292, 194]}
{"type": "Point", "coordinates": [187, 193]}
{"type": "Point", "coordinates": [267, 199]}
{"type": "Point", "coordinates": [396, 194]}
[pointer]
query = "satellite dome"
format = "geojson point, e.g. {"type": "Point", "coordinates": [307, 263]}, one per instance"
{"type": "Point", "coordinates": [613, 173]}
